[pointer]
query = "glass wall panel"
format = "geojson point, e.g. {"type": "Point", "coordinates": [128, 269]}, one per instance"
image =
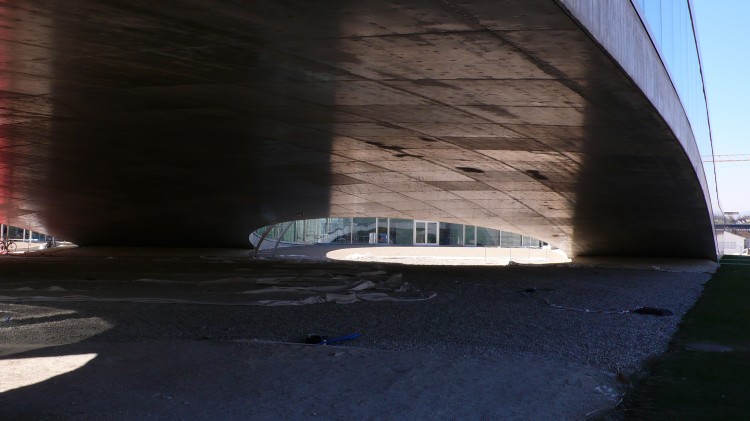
{"type": "Point", "coordinates": [14, 232]}
{"type": "Point", "coordinates": [314, 230]}
{"type": "Point", "coordinates": [432, 233]}
{"type": "Point", "coordinates": [402, 231]}
{"type": "Point", "coordinates": [420, 228]}
{"type": "Point", "coordinates": [488, 237]}
{"type": "Point", "coordinates": [290, 232]}
{"type": "Point", "coordinates": [510, 239]}
{"type": "Point", "coordinates": [383, 231]}
{"type": "Point", "coordinates": [276, 232]}
{"type": "Point", "coordinates": [451, 234]}
{"type": "Point", "coordinates": [471, 237]}
{"type": "Point", "coordinates": [530, 242]}
{"type": "Point", "coordinates": [299, 232]}
{"type": "Point", "coordinates": [652, 11]}
{"type": "Point", "coordinates": [363, 227]}
{"type": "Point", "coordinates": [338, 231]}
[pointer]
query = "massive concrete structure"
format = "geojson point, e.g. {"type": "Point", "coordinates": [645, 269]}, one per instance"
{"type": "Point", "coordinates": [193, 122]}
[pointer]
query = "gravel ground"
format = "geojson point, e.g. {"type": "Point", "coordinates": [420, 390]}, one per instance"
{"type": "Point", "coordinates": [503, 313]}
{"type": "Point", "coordinates": [477, 311]}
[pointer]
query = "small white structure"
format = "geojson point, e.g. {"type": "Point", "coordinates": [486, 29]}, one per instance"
{"type": "Point", "coordinates": [731, 243]}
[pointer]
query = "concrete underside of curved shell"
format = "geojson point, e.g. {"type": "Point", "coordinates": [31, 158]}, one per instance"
{"type": "Point", "coordinates": [192, 123]}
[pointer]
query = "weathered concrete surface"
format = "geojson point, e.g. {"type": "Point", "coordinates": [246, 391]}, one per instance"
{"type": "Point", "coordinates": [188, 122]}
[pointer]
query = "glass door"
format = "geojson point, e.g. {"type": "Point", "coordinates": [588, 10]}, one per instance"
{"type": "Point", "coordinates": [426, 233]}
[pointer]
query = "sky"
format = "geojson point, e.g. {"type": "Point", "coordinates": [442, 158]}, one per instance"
{"type": "Point", "coordinates": [723, 29]}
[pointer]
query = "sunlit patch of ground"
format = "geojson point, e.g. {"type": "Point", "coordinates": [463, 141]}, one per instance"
{"type": "Point", "coordinates": [452, 256]}
{"type": "Point", "coordinates": [20, 372]}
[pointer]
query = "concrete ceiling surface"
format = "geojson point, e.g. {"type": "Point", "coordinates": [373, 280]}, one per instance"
{"type": "Point", "coordinates": [193, 122]}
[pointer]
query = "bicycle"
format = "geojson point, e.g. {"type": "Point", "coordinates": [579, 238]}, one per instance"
{"type": "Point", "coordinates": [7, 246]}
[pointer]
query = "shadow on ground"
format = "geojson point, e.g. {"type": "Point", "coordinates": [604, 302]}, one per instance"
{"type": "Point", "coordinates": [491, 343]}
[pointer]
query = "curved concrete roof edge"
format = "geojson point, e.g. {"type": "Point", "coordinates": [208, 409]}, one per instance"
{"type": "Point", "coordinates": [610, 25]}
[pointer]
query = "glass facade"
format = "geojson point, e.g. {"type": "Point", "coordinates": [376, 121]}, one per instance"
{"type": "Point", "coordinates": [387, 231]}
{"type": "Point", "coordinates": [20, 234]}
{"type": "Point", "coordinates": [670, 25]}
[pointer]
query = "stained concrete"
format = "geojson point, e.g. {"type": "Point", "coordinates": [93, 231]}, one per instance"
{"type": "Point", "coordinates": [191, 123]}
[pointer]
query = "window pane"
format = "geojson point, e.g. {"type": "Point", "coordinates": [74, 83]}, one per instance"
{"type": "Point", "coordinates": [510, 239]}
{"type": "Point", "coordinates": [470, 235]}
{"type": "Point", "coordinates": [314, 230]}
{"type": "Point", "coordinates": [363, 227]}
{"type": "Point", "coordinates": [488, 237]}
{"type": "Point", "coordinates": [383, 231]}
{"type": "Point", "coordinates": [420, 232]}
{"type": "Point", "coordinates": [432, 229]}
{"type": "Point", "coordinates": [451, 234]}
{"type": "Point", "coordinates": [401, 231]}
{"type": "Point", "coordinates": [335, 230]}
